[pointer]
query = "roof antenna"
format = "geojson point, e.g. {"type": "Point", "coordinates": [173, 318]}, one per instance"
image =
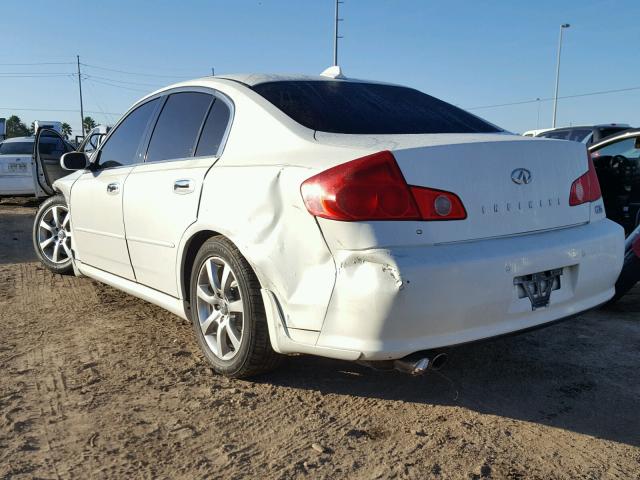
{"type": "Point", "coordinates": [335, 71]}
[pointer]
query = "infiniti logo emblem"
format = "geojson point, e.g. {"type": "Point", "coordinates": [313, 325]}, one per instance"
{"type": "Point", "coordinates": [521, 176]}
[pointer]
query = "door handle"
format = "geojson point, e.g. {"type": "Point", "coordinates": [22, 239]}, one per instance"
{"type": "Point", "coordinates": [183, 186]}
{"type": "Point", "coordinates": [113, 188]}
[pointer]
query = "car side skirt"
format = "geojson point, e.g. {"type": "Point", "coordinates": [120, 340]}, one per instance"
{"type": "Point", "coordinates": [173, 305]}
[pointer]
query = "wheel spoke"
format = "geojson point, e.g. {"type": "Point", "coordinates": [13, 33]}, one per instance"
{"type": "Point", "coordinates": [46, 226]}
{"type": "Point", "coordinates": [67, 217]}
{"type": "Point", "coordinates": [67, 250]}
{"type": "Point", "coordinates": [56, 220]}
{"type": "Point", "coordinates": [212, 274]}
{"type": "Point", "coordinates": [56, 248]}
{"type": "Point", "coordinates": [211, 323]}
{"type": "Point", "coordinates": [236, 306]}
{"type": "Point", "coordinates": [234, 337]}
{"type": "Point", "coordinates": [219, 341]}
{"type": "Point", "coordinates": [225, 279]}
{"type": "Point", "coordinates": [44, 244]}
{"type": "Point", "coordinates": [210, 299]}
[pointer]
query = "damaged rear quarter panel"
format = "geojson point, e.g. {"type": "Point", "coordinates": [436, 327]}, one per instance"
{"type": "Point", "coordinates": [259, 208]}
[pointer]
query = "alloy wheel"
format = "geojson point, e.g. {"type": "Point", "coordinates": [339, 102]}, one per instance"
{"type": "Point", "coordinates": [220, 308]}
{"type": "Point", "coordinates": [54, 234]}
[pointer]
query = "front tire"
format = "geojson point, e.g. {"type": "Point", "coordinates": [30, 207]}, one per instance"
{"type": "Point", "coordinates": [227, 312]}
{"type": "Point", "coordinates": [52, 235]}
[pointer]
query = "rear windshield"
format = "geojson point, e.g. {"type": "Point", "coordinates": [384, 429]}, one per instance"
{"type": "Point", "coordinates": [366, 108]}
{"type": "Point", "coordinates": [16, 148]}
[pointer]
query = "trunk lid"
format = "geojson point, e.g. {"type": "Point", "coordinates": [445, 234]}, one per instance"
{"type": "Point", "coordinates": [508, 184]}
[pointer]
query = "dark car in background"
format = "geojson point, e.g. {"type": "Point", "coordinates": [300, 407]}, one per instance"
{"type": "Point", "coordinates": [630, 274]}
{"type": "Point", "coordinates": [588, 135]}
{"type": "Point", "coordinates": [617, 163]}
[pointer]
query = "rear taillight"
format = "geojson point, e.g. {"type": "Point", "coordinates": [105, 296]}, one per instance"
{"type": "Point", "coordinates": [586, 188]}
{"type": "Point", "coordinates": [373, 188]}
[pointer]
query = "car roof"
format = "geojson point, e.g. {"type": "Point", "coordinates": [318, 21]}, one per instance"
{"type": "Point", "coordinates": [629, 133]}
{"type": "Point", "coordinates": [18, 139]}
{"type": "Point", "coordinates": [253, 79]}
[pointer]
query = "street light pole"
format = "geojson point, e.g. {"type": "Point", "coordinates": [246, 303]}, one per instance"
{"type": "Point", "coordinates": [555, 97]}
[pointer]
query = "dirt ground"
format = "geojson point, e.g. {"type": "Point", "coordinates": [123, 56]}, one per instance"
{"type": "Point", "coordinates": [97, 384]}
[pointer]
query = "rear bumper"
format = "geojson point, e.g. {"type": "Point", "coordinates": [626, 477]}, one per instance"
{"type": "Point", "coordinates": [390, 303]}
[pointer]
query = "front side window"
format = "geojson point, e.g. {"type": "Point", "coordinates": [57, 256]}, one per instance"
{"type": "Point", "coordinates": [367, 108]}
{"type": "Point", "coordinates": [122, 146]}
{"type": "Point", "coordinates": [214, 129]}
{"type": "Point", "coordinates": [176, 131]}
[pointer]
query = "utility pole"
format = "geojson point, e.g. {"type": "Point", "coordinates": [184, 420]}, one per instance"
{"type": "Point", "coordinates": [336, 36]}
{"type": "Point", "coordinates": [80, 88]}
{"type": "Point", "coordinates": [555, 97]}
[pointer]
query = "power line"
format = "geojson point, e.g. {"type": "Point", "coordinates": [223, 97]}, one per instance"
{"type": "Point", "coordinates": [35, 63]}
{"type": "Point", "coordinates": [55, 110]}
{"type": "Point", "coordinates": [136, 73]}
{"type": "Point", "coordinates": [589, 94]}
{"type": "Point", "coordinates": [121, 81]}
{"type": "Point", "coordinates": [35, 74]}
{"type": "Point", "coordinates": [119, 86]}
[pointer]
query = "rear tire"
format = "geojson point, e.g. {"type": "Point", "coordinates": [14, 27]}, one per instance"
{"type": "Point", "coordinates": [227, 312]}
{"type": "Point", "coordinates": [52, 235]}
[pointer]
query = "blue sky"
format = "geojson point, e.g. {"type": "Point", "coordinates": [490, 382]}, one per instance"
{"type": "Point", "coordinates": [469, 53]}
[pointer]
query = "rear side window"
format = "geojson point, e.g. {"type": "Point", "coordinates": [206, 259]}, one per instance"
{"type": "Point", "coordinates": [16, 148]}
{"type": "Point", "coordinates": [367, 108]}
{"type": "Point", "coordinates": [178, 126]}
{"type": "Point", "coordinates": [561, 135]}
{"type": "Point", "coordinates": [121, 147]}
{"type": "Point", "coordinates": [214, 129]}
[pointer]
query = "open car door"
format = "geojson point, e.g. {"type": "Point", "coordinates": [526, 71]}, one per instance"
{"type": "Point", "coordinates": [48, 148]}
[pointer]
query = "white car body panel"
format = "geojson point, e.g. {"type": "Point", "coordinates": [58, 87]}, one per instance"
{"type": "Point", "coordinates": [97, 221]}
{"type": "Point", "coordinates": [15, 175]}
{"type": "Point", "coordinates": [156, 217]}
{"type": "Point", "coordinates": [362, 290]}
{"type": "Point", "coordinates": [15, 171]}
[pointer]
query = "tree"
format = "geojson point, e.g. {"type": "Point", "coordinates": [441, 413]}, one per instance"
{"type": "Point", "coordinates": [32, 128]}
{"type": "Point", "coordinates": [15, 127]}
{"type": "Point", "coordinates": [66, 130]}
{"type": "Point", "coordinates": [88, 123]}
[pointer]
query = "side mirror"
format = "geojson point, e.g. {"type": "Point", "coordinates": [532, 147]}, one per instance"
{"type": "Point", "coordinates": [74, 161]}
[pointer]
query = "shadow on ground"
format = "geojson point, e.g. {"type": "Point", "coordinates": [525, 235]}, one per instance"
{"type": "Point", "coordinates": [15, 236]}
{"type": "Point", "coordinates": [579, 375]}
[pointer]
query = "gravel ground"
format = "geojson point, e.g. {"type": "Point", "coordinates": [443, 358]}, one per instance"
{"type": "Point", "coordinates": [98, 384]}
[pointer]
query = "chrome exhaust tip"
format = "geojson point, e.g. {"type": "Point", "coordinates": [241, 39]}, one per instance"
{"type": "Point", "coordinates": [418, 366]}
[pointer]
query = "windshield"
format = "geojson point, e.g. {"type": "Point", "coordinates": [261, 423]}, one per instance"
{"type": "Point", "coordinates": [367, 108]}
{"type": "Point", "coordinates": [16, 148]}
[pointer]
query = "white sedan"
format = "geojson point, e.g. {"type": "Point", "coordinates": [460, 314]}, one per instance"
{"type": "Point", "coordinates": [16, 173]}
{"type": "Point", "coordinates": [348, 219]}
